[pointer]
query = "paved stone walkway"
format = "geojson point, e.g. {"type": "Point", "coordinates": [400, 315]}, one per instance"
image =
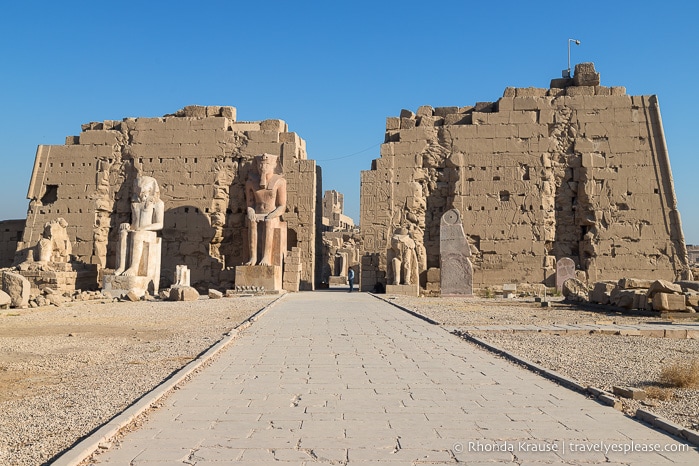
{"type": "Point", "coordinates": [339, 378]}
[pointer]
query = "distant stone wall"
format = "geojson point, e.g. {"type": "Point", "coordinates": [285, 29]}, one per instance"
{"type": "Point", "coordinates": [578, 171]}
{"type": "Point", "coordinates": [200, 157]}
{"type": "Point", "coordinates": [10, 233]}
{"type": "Point", "coordinates": [334, 218]}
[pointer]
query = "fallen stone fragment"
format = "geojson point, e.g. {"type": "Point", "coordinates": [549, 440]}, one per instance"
{"type": "Point", "coordinates": [630, 392]}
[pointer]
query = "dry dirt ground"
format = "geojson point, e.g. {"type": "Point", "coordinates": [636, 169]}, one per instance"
{"type": "Point", "coordinates": [596, 359]}
{"type": "Point", "coordinates": [66, 370]}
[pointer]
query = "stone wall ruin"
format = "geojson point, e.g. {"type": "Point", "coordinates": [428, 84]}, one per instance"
{"type": "Point", "coordinates": [200, 157]}
{"type": "Point", "coordinates": [576, 170]}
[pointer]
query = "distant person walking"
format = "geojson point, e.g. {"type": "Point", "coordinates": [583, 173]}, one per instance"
{"type": "Point", "coordinates": [350, 277]}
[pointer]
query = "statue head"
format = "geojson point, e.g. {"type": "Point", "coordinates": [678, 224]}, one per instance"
{"type": "Point", "coordinates": [145, 188]}
{"type": "Point", "coordinates": [266, 165]}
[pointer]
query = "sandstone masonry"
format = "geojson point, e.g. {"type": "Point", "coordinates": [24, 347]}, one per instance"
{"type": "Point", "coordinates": [579, 171]}
{"type": "Point", "coordinates": [201, 157]}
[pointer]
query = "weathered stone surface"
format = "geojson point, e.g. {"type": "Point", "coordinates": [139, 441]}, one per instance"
{"type": "Point", "coordinates": [539, 175]}
{"type": "Point", "coordinates": [183, 293]}
{"type": "Point", "coordinates": [663, 286]}
{"type": "Point", "coordinates": [434, 275]}
{"type": "Point", "coordinates": [628, 299]}
{"type": "Point", "coordinates": [585, 75]}
{"type": "Point", "coordinates": [668, 302]}
{"type": "Point", "coordinates": [182, 276]}
{"type": "Point", "coordinates": [120, 285]}
{"type": "Point", "coordinates": [630, 392]}
{"type": "Point", "coordinates": [575, 290]}
{"type": "Point", "coordinates": [692, 299]}
{"type": "Point", "coordinates": [17, 287]}
{"type": "Point", "coordinates": [402, 259]}
{"type": "Point", "coordinates": [132, 296]}
{"type": "Point", "coordinates": [5, 300]}
{"type": "Point", "coordinates": [201, 157]}
{"type": "Point", "coordinates": [565, 269]}
{"type": "Point", "coordinates": [267, 276]}
{"type": "Point", "coordinates": [688, 285]}
{"type": "Point", "coordinates": [406, 290]}
{"type": "Point", "coordinates": [456, 270]}
{"type": "Point", "coordinates": [215, 294]}
{"type": "Point", "coordinates": [634, 283]}
{"type": "Point", "coordinates": [601, 292]}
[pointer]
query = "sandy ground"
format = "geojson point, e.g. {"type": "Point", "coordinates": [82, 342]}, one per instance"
{"type": "Point", "coordinates": [598, 360]}
{"type": "Point", "coordinates": [64, 371]}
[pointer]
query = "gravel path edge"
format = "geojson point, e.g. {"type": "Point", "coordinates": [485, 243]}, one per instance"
{"type": "Point", "coordinates": [84, 448]}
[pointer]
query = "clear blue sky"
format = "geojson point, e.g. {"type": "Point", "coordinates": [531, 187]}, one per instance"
{"type": "Point", "coordinates": [332, 70]}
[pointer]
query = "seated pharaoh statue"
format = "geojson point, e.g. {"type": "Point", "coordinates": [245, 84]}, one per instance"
{"type": "Point", "coordinates": [265, 194]}
{"type": "Point", "coordinates": [138, 256]}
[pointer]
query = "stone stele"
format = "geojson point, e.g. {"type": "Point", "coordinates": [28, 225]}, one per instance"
{"type": "Point", "coordinates": [456, 268]}
{"type": "Point", "coordinates": [565, 269]}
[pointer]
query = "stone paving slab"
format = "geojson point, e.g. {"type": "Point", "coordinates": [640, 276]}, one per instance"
{"type": "Point", "coordinates": [339, 378]}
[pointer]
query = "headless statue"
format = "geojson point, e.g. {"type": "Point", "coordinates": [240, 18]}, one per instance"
{"type": "Point", "coordinates": [265, 195]}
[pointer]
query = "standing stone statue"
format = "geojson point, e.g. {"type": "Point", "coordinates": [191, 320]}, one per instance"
{"type": "Point", "coordinates": [147, 213]}
{"type": "Point", "coordinates": [265, 194]}
{"type": "Point", "coordinates": [456, 270]}
{"type": "Point", "coordinates": [402, 259]}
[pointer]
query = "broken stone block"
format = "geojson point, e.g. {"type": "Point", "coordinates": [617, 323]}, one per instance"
{"type": "Point", "coordinates": [425, 110]}
{"type": "Point", "coordinates": [575, 290]}
{"type": "Point", "coordinates": [183, 293]}
{"type": "Point", "coordinates": [691, 299]}
{"type": "Point", "coordinates": [621, 298]}
{"type": "Point", "coordinates": [669, 302]}
{"type": "Point", "coordinates": [630, 392]}
{"type": "Point", "coordinates": [663, 286]}
{"type": "Point", "coordinates": [17, 287]}
{"type": "Point", "coordinates": [601, 292]}
{"type": "Point", "coordinates": [56, 299]}
{"type": "Point", "coordinates": [215, 294]}
{"type": "Point", "coordinates": [688, 285]}
{"type": "Point", "coordinates": [628, 283]}
{"type": "Point", "coordinates": [131, 296]}
{"type": "Point", "coordinates": [585, 75]}
{"type": "Point", "coordinates": [5, 300]}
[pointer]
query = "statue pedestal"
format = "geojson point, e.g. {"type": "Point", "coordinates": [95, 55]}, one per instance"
{"type": "Point", "coordinates": [118, 286]}
{"type": "Point", "coordinates": [337, 280]}
{"type": "Point", "coordinates": [406, 290]}
{"type": "Point", "coordinates": [269, 276]}
{"type": "Point", "coordinates": [60, 276]}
